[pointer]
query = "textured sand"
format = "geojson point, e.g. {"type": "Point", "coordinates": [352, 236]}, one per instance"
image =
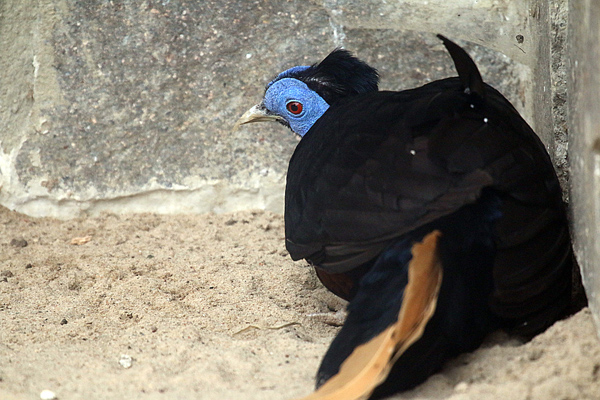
{"type": "Point", "coordinates": [211, 307]}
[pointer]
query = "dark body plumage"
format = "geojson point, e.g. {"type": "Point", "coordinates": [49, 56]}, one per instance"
{"type": "Point", "coordinates": [451, 168]}
{"type": "Point", "coordinates": [354, 185]}
{"type": "Point", "coordinates": [380, 169]}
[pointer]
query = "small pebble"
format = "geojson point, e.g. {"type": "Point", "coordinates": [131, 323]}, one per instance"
{"type": "Point", "coordinates": [78, 241]}
{"type": "Point", "coordinates": [47, 395]}
{"type": "Point", "coordinates": [125, 361]}
{"type": "Point", "coordinates": [7, 274]}
{"type": "Point", "coordinates": [18, 242]}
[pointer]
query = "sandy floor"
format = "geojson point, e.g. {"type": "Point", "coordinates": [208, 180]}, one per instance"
{"type": "Point", "coordinates": [211, 307]}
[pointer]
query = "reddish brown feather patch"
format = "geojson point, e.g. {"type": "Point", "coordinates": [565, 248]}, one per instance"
{"type": "Point", "coordinates": [339, 284]}
{"type": "Point", "coordinates": [343, 284]}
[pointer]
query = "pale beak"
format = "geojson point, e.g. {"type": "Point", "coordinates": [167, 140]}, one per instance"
{"type": "Point", "coordinates": [258, 113]}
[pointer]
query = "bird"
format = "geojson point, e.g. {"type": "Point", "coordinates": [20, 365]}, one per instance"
{"type": "Point", "coordinates": [435, 211]}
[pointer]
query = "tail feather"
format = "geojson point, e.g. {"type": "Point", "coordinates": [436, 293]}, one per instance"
{"type": "Point", "coordinates": [465, 66]}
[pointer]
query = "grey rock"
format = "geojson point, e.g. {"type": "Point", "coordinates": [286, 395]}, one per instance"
{"type": "Point", "coordinates": [128, 106]}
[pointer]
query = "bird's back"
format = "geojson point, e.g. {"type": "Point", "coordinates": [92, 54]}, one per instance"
{"type": "Point", "coordinates": [379, 165]}
{"type": "Point", "coordinates": [435, 210]}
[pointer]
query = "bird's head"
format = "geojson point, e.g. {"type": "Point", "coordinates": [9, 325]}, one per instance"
{"type": "Point", "coordinates": [299, 96]}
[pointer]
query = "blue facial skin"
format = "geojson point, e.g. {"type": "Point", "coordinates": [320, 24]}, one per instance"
{"type": "Point", "coordinates": [288, 73]}
{"type": "Point", "coordinates": [285, 90]}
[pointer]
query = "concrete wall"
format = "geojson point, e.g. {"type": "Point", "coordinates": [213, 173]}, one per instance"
{"type": "Point", "coordinates": [584, 141]}
{"type": "Point", "coordinates": [127, 106]}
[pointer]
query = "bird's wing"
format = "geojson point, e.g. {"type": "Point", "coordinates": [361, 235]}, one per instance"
{"type": "Point", "coordinates": [379, 165]}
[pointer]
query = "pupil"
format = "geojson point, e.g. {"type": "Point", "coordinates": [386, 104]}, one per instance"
{"type": "Point", "coordinates": [294, 107]}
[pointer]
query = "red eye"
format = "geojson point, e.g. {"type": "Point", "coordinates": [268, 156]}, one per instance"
{"type": "Point", "coordinates": [294, 107]}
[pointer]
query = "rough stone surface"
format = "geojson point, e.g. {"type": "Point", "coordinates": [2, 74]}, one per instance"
{"type": "Point", "coordinates": [558, 75]}
{"type": "Point", "coordinates": [128, 106]}
{"type": "Point", "coordinates": [584, 143]}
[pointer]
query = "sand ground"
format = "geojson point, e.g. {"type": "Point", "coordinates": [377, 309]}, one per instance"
{"type": "Point", "coordinates": [212, 307]}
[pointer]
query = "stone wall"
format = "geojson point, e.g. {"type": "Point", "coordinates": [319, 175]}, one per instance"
{"type": "Point", "coordinates": [127, 106]}
{"type": "Point", "coordinates": [584, 141]}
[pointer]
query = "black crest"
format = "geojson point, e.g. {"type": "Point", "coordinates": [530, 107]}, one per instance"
{"type": "Point", "coordinates": [339, 75]}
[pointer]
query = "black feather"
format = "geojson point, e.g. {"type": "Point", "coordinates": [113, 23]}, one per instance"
{"type": "Point", "coordinates": [338, 76]}
{"type": "Point", "coordinates": [381, 169]}
{"type": "Point", "coordinates": [379, 165]}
